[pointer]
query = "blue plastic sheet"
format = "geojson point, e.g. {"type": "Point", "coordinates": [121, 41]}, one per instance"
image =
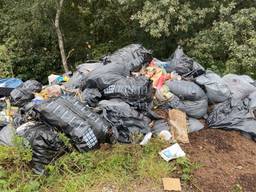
{"type": "Point", "coordinates": [10, 82]}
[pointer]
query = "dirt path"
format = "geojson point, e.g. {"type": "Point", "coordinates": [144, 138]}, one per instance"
{"type": "Point", "coordinates": [227, 159]}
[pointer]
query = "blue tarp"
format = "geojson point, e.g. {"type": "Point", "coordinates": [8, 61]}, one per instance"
{"type": "Point", "coordinates": [10, 82]}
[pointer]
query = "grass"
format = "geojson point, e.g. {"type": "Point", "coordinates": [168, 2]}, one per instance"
{"type": "Point", "coordinates": [117, 167]}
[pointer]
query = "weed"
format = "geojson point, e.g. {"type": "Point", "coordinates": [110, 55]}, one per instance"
{"type": "Point", "coordinates": [237, 188]}
{"type": "Point", "coordinates": [186, 168]}
{"type": "Point", "coordinates": [120, 167]}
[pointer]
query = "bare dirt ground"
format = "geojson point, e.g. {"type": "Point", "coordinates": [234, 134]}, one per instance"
{"type": "Point", "coordinates": [228, 159]}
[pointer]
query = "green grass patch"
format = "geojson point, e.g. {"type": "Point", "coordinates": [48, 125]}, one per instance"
{"type": "Point", "coordinates": [118, 166]}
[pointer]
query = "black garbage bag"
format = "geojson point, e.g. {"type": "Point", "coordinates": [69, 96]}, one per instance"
{"type": "Point", "coordinates": [85, 128]}
{"type": "Point", "coordinates": [185, 90]}
{"type": "Point", "coordinates": [137, 91]}
{"type": "Point", "coordinates": [133, 56]}
{"type": "Point", "coordinates": [196, 109]}
{"type": "Point", "coordinates": [91, 96]}
{"type": "Point", "coordinates": [104, 76]}
{"type": "Point", "coordinates": [125, 119]}
{"type": "Point", "coordinates": [45, 144]}
{"type": "Point", "coordinates": [32, 85]}
{"type": "Point", "coordinates": [81, 74]}
{"type": "Point", "coordinates": [234, 116]}
{"type": "Point", "coordinates": [184, 65]}
{"type": "Point", "coordinates": [24, 94]}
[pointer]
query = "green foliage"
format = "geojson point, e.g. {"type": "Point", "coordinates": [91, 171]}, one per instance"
{"type": "Point", "coordinates": [237, 188]}
{"type": "Point", "coordinates": [230, 44]}
{"type": "Point", "coordinates": [5, 62]}
{"type": "Point", "coordinates": [219, 34]}
{"type": "Point", "coordinates": [186, 168]}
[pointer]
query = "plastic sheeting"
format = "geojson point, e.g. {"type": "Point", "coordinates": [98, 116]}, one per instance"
{"type": "Point", "coordinates": [216, 90]}
{"type": "Point", "coordinates": [10, 82]}
{"type": "Point", "coordinates": [239, 116]}
{"type": "Point", "coordinates": [75, 81]}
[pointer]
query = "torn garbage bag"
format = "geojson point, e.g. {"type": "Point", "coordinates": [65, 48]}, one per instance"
{"type": "Point", "coordinates": [183, 65]}
{"type": "Point", "coordinates": [216, 90]}
{"type": "Point", "coordinates": [133, 56]}
{"type": "Point", "coordinates": [134, 90]}
{"type": "Point", "coordinates": [238, 116]}
{"type": "Point", "coordinates": [127, 121]}
{"type": "Point", "coordinates": [24, 94]}
{"type": "Point", "coordinates": [85, 128]}
{"type": "Point", "coordinates": [45, 144]}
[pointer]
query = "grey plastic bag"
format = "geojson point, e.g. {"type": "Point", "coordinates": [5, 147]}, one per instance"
{"type": "Point", "coordinates": [194, 125]}
{"type": "Point", "coordinates": [216, 90]}
{"type": "Point", "coordinates": [185, 90]}
{"type": "Point", "coordinates": [239, 85]}
{"type": "Point", "coordinates": [196, 109]}
{"type": "Point", "coordinates": [230, 116]}
{"type": "Point", "coordinates": [7, 134]}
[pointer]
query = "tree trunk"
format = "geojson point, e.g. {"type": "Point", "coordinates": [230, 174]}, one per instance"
{"type": "Point", "coordinates": [60, 37]}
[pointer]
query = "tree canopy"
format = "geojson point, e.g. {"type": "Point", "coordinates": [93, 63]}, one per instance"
{"type": "Point", "coordinates": [219, 34]}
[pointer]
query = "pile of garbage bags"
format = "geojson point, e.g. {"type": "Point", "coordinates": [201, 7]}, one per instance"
{"type": "Point", "coordinates": [115, 100]}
